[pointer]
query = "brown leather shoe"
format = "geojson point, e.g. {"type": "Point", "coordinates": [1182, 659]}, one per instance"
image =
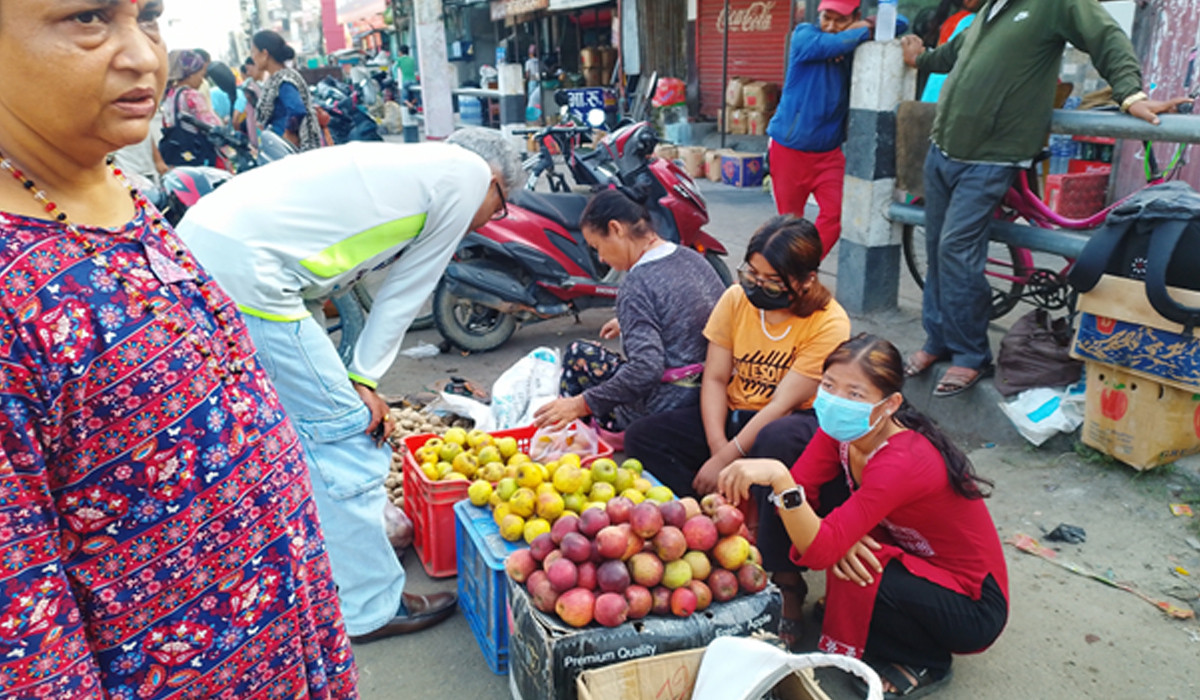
{"type": "Point", "coordinates": [422, 611]}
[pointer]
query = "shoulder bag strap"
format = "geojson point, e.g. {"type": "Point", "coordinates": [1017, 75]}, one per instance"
{"type": "Point", "coordinates": [1098, 251]}
{"type": "Point", "coordinates": [1162, 246]}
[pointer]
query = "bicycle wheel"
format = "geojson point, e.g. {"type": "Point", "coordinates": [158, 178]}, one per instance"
{"type": "Point", "coordinates": [1006, 269]}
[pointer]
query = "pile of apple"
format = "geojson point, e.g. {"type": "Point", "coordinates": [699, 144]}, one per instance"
{"type": "Point", "coordinates": [628, 560]}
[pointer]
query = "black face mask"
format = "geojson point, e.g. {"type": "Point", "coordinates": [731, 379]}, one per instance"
{"type": "Point", "coordinates": [761, 300]}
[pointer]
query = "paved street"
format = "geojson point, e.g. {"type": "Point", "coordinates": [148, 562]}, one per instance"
{"type": "Point", "coordinates": [1048, 649]}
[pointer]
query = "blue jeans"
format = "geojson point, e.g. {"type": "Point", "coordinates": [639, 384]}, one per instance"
{"type": "Point", "coordinates": [346, 468]}
{"type": "Point", "coordinates": [960, 199]}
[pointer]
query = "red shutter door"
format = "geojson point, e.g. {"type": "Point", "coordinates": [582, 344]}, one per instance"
{"type": "Point", "coordinates": [757, 40]}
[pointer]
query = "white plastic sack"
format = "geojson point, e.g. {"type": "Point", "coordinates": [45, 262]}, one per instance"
{"type": "Point", "coordinates": [737, 668]}
{"type": "Point", "coordinates": [1040, 413]}
{"type": "Point", "coordinates": [465, 406]}
{"type": "Point", "coordinates": [524, 387]}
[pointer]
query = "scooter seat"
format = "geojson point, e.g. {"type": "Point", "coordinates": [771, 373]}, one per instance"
{"type": "Point", "coordinates": [564, 209]}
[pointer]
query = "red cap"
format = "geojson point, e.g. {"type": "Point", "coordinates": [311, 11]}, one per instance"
{"type": "Point", "coordinates": [842, 7]}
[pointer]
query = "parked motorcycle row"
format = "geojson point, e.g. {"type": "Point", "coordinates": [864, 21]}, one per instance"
{"type": "Point", "coordinates": [531, 266]}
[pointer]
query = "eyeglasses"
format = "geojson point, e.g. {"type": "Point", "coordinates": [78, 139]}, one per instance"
{"type": "Point", "coordinates": [749, 278]}
{"type": "Point", "coordinates": [502, 212]}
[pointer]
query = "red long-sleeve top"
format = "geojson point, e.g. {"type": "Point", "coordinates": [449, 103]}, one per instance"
{"type": "Point", "coordinates": [905, 499]}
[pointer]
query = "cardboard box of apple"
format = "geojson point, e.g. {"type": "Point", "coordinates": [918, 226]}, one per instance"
{"type": "Point", "coordinates": [626, 561]}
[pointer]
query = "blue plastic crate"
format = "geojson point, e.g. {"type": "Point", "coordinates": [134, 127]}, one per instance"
{"type": "Point", "coordinates": [482, 583]}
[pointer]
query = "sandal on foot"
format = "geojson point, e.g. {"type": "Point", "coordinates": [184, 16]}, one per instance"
{"type": "Point", "coordinates": [907, 681]}
{"type": "Point", "coordinates": [919, 363]}
{"type": "Point", "coordinates": [790, 633]}
{"type": "Point", "coordinates": [912, 681]}
{"type": "Point", "coordinates": [956, 380]}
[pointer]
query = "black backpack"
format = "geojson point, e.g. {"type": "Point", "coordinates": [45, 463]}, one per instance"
{"type": "Point", "coordinates": [1153, 236]}
{"type": "Point", "coordinates": [180, 146]}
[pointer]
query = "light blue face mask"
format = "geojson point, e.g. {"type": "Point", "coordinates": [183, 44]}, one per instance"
{"type": "Point", "coordinates": [844, 420]}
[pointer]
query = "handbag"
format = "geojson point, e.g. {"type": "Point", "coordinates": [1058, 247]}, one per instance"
{"type": "Point", "coordinates": [179, 146]}
{"type": "Point", "coordinates": [1153, 236]}
{"type": "Point", "coordinates": [1035, 352]}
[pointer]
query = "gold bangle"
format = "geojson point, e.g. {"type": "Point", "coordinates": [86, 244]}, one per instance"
{"type": "Point", "coordinates": [1133, 99]}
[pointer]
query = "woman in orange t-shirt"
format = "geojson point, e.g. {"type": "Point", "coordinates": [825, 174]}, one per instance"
{"type": "Point", "coordinates": [768, 338]}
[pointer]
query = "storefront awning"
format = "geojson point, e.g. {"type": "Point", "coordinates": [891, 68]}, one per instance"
{"type": "Point", "coordinates": [502, 9]}
{"type": "Point", "coordinates": [556, 5]}
{"type": "Point", "coordinates": [353, 10]}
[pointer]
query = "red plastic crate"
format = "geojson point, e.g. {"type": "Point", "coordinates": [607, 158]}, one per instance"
{"type": "Point", "coordinates": [430, 504]}
{"type": "Point", "coordinates": [1077, 195]}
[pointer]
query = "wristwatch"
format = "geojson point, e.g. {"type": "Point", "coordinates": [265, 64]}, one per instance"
{"type": "Point", "coordinates": [790, 499]}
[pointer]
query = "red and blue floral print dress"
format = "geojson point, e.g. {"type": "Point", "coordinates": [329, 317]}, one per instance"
{"type": "Point", "coordinates": [158, 537]}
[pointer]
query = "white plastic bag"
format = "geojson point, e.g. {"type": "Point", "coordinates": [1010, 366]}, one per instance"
{"type": "Point", "coordinates": [1040, 413]}
{"type": "Point", "coordinates": [548, 444]}
{"type": "Point", "coordinates": [737, 668]}
{"type": "Point", "coordinates": [524, 387]}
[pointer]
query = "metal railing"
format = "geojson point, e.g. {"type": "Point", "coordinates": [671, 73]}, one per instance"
{"type": "Point", "coordinates": [1174, 128]}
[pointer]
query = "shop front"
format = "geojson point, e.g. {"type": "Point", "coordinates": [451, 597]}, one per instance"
{"type": "Point", "coordinates": [758, 32]}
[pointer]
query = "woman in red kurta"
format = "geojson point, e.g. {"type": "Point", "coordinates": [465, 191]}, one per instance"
{"type": "Point", "coordinates": [917, 568]}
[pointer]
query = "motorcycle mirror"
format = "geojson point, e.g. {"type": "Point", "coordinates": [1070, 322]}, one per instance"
{"type": "Point", "coordinates": [561, 98]}
{"type": "Point", "coordinates": [595, 117]}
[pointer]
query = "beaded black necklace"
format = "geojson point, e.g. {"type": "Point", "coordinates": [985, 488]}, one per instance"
{"type": "Point", "coordinates": [228, 371]}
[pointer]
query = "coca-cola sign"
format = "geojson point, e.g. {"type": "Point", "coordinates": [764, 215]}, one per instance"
{"type": "Point", "coordinates": [756, 17]}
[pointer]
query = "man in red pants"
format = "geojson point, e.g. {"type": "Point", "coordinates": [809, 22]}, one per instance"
{"type": "Point", "coordinates": [809, 127]}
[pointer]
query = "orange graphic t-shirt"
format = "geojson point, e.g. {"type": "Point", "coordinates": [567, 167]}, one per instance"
{"type": "Point", "coordinates": [760, 363]}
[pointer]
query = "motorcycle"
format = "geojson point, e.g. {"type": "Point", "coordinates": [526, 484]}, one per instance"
{"type": "Point", "coordinates": [535, 265]}
{"type": "Point", "coordinates": [183, 186]}
{"type": "Point", "coordinates": [348, 118]}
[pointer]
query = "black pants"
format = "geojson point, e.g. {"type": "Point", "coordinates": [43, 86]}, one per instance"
{"type": "Point", "coordinates": [671, 445]}
{"type": "Point", "coordinates": [784, 440]}
{"type": "Point", "coordinates": [919, 623]}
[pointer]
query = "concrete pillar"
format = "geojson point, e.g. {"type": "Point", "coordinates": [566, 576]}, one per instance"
{"type": "Point", "coordinates": [511, 84]}
{"type": "Point", "coordinates": [437, 75]}
{"type": "Point", "coordinates": [869, 249]}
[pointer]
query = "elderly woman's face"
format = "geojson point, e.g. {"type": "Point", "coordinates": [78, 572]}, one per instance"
{"type": "Point", "coordinates": [88, 73]}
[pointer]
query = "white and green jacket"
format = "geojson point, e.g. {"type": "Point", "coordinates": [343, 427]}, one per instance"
{"type": "Point", "coordinates": [285, 236]}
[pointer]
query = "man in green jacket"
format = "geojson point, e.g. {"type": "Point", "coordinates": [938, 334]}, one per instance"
{"type": "Point", "coordinates": [993, 117]}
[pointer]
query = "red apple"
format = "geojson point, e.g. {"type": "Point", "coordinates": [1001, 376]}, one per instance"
{"type": "Point", "coordinates": [611, 609]}
{"type": "Point", "coordinates": [670, 543]}
{"type": "Point", "coordinates": [728, 520]}
{"type": "Point", "coordinates": [541, 546]}
{"type": "Point", "coordinates": [701, 533]}
{"type": "Point", "coordinates": [661, 596]}
{"type": "Point", "coordinates": [640, 601]}
{"type": "Point", "coordinates": [611, 542]}
{"type": "Point", "coordinates": [646, 569]}
{"type": "Point", "coordinates": [704, 596]}
{"type": "Point", "coordinates": [574, 546]}
{"type": "Point", "coordinates": [591, 521]}
{"type": "Point", "coordinates": [752, 578]}
{"type": "Point", "coordinates": [564, 575]}
{"type": "Point", "coordinates": [567, 522]}
{"type": "Point", "coordinates": [646, 519]}
{"type": "Point", "coordinates": [576, 607]}
{"type": "Point", "coordinates": [618, 509]}
{"type": "Point", "coordinates": [724, 585]}
{"type": "Point", "coordinates": [612, 577]}
{"type": "Point", "coordinates": [683, 602]}
{"type": "Point", "coordinates": [587, 575]}
{"type": "Point", "coordinates": [519, 565]}
{"type": "Point", "coordinates": [673, 513]}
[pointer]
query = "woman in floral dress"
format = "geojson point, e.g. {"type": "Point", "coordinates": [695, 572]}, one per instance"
{"type": "Point", "coordinates": [157, 532]}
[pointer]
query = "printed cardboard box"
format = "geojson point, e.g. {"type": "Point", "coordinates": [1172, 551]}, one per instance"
{"type": "Point", "coordinates": [1119, 327]}
{"type": "Point", "coordinates": [546, 656]}
{"type": "Point", "coordinates": [742, 169]}
{"type": "Point", "coordinates": [666, 151]}
{"type": "Point", "coordinates": [756, 122]}
{"type": "Point", "coordinates": [712, 163]}
{"type": "Point", "coordinates": [672, 677]}
{"type": "Point", "coordinates": [760, 95]}
{"type": "Point", "coordinates": [733, 121]}
{"type": "Point", "coordinates": [733, 92]}
{"type": "Point", "coordinates": [693, 160]}
{"type": "Point", "coordinates": [1139, 421]}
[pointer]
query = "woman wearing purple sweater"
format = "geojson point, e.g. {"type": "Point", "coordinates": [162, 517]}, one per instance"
{"type": "Point", "coordinates": [662, 306]}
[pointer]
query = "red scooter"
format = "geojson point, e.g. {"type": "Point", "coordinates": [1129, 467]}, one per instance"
{"type": "Point", "coordinates": [534, 264]}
